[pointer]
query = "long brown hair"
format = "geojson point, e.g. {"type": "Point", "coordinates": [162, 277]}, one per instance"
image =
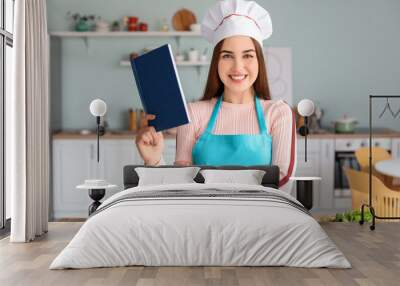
{"type": "Point", "coordinates": [215, 87]}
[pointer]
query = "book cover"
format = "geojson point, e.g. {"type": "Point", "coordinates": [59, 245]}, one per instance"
{"type": "Point", "coordinates": [160, 89]}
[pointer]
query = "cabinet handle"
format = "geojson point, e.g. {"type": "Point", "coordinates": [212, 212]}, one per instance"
{"type": "Point", "coordinates": [348, 144]}
{"type": "Point", "coordinates": [362, 144]}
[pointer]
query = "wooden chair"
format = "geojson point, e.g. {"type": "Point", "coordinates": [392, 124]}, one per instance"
{"type": "Point", "coordinates": [385, 201]}
{"type": "Point", "coordinates": [378, 154]}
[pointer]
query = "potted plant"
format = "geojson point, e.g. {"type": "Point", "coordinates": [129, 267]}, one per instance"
{"type": "Point", "coordinates": [353, 216]}
{"type": "Point", "coordinates": [115, 26]}
{"type": "Point", "coordinates": [82, 23]}
{"type": "Point", "coordinates": [348, 216]}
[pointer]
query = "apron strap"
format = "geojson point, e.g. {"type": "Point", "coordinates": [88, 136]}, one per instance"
{"type": "Point", "coordinates": [214, 114]}
{"type": "Point", "coordinates": [260, 117]}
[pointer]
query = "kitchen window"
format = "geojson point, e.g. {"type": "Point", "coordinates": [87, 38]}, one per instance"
{"type": "Point", "coordinates": [6, 60]}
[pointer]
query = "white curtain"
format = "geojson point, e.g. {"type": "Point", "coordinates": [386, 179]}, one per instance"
{"type": "Point", "coordinates": [27, 120]}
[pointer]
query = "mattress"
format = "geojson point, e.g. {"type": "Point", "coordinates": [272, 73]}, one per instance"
{"type": "Point", "coordinates": [201, 225]}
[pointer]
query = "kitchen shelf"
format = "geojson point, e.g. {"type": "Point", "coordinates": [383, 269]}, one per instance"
{"type": "Point", "coordinates": [125, 34]}
{"type": "Point", "coordinates": [87, 35]}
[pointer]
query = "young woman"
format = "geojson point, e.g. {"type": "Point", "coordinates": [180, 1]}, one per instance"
{"type": "Point", "coordinates": [236, 122]}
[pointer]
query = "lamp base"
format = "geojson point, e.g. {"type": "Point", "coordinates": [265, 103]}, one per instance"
{"type": "Point", "coordinates": [96, 195]}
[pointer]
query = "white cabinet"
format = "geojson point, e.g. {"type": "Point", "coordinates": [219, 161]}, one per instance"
{"type": "Point", "coordinates": [327, 171]}
{"type": "Point", "coordinates": [72, 164]}
{"type": "Point", "coordinates": [320, 163]}
{"type": "Point", "coordinates": [311, 167]}
{"type": "Point", "coordinates": [76, 160]}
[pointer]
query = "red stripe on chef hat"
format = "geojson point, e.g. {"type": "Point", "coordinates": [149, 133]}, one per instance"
{"type": "Point", "coordinates": [234, 14]}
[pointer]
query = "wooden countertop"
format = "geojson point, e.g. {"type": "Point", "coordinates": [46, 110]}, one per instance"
{"type": "Point", "coordinates": [382, 133]}
{"type": "Point", "coordinates": [107, 135]}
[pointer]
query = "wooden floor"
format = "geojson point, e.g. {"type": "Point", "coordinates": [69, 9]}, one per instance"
{"type": "Point", "coordinates": [375, 257]}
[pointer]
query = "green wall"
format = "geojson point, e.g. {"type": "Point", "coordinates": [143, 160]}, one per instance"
{"type": "Point", "coordinates": [343, 50]}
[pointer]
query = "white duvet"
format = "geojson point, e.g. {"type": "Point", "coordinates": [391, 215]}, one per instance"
{"type": "Point", "coordinates": [200, 231]}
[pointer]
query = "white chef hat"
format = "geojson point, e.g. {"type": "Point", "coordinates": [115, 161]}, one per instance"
{"type": "Point", "coordinates": [236, 17]}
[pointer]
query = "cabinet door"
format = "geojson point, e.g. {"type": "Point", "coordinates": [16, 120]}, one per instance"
{"type": "Point", "coordinates": [72, 164]}
{"type": "Point", "coordinates": [327, 173]}
{"type": "Point", "coordinates": [320, 163]}
{"type": "Point", "coordinates": [115, 154]}
{"type": "Point", "coordinates": [311, 167]}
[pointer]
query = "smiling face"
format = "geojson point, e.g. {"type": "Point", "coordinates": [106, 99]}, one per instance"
{"type": "Point", "coordinates": [224, 73]}
{"type": "Point", "coordinates": [238, 64]}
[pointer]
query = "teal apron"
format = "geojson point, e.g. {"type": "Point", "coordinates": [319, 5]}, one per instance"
{"type": "Point", "coordinates": [241, 149]}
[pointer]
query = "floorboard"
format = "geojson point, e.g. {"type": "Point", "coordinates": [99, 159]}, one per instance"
{"type": "Point", "coordinates": [374, 255]}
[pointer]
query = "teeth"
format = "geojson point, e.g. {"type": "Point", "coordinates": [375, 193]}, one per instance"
{"type": "Point", "coordinates": [238, 77]}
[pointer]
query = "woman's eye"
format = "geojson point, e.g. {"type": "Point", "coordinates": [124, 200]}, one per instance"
{"type": "Point", "coordinates": [248, 56]}
{"type": "Point", "coordinates": [226, 56]}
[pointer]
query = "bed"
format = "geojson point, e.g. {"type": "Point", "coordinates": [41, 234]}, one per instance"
{"type": "Point", "coordinates": [201, 224]}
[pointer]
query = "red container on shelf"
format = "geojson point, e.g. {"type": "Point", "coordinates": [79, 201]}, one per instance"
{"type": "Point", "coordinates": [132, 23]}
{"type": "Point", "coordinates": [143, 27]}
{"type": "Point", "coordinates": [133, 19]}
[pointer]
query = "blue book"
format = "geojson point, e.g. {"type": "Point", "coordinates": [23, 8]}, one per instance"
{"type": "Point", "coordinates": [160, 89]}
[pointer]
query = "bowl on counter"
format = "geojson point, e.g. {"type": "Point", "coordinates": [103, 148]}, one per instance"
{"type": "Point", "coordinates": [345, 125]}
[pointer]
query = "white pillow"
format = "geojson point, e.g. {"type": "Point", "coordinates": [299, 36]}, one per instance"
{"type": "Point", "coordinates": [162, 176]}
{"type": "Point", "coordinates": [249, 177]}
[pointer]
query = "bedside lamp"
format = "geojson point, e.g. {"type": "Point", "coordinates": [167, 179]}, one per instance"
{"type": "Point", "coordinates": [305, 109]}
{"type": "Point", "coordinates": [97, 187]}
{"type": "Point", "coordinates": [304, 185]}
{"type": "Point", "coordinates": [98, 108]}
